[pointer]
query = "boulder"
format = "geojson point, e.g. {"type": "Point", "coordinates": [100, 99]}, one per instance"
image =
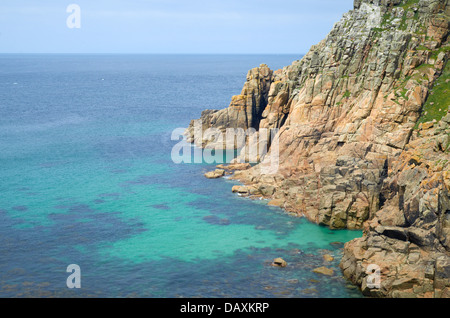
{"type": "Point", "coordinates": [279, 262]}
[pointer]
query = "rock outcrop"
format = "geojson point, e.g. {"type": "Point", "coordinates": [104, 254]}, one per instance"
{"type": "Point", "coordinates": [244, 111]}
{"type": "Point", "coordinates": [409, 237]}
{"type": "Point", "coordinates": [360, 145]}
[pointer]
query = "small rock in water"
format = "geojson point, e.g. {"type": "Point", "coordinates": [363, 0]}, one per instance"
{"type": "Point", "coordinates": [328, 258]}
{"type": "Point", "coordinates": [324, 271]}
{"type": "Point", "coordinates": [215, 174]}
{"type": "Point", "coordinates": [279, 262]}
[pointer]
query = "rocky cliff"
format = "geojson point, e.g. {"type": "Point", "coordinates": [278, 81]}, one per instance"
{"type": "Point", "coordinates": [363, 140]}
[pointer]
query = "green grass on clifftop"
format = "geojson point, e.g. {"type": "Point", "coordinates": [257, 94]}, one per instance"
{"type": "Point", "coordinates": [438, 100]}
{"type": "Point", "coordinates": [406, 4]}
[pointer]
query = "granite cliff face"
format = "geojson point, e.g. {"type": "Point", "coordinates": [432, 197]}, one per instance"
{"type": "Point", "coordinates": [409, 237]}
{"type": "Point", "coordinates": [364, 133]}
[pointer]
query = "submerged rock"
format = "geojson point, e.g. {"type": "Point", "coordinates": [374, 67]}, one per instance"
{"type": "Point", "coordinates": [212, 219]}
{"type": "Point", "coordinates": [324, 271]}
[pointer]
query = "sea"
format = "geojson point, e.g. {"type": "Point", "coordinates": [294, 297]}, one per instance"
{"type": "Point", "coordinates": [87, 178]}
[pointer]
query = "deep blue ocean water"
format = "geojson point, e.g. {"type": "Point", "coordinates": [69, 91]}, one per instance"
{"type": "Point", "coordinates": [86, 178]}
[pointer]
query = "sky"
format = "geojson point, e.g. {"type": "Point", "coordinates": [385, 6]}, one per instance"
{"type": "Point", "coordinates": [167, 26]}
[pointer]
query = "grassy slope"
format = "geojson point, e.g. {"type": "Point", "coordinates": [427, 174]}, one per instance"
{"type": "Point", "coordinates": [438, 101]}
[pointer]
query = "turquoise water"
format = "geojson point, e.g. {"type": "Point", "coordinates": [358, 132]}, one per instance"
{"type": "Point", "coordinates": [87, 179]}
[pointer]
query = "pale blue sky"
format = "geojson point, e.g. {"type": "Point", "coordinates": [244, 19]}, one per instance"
{"type": "Point", "coordinates": [168, 26]}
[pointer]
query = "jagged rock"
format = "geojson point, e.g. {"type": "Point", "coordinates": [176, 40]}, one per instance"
{"type": "Point", "coordinates": [244, 112]}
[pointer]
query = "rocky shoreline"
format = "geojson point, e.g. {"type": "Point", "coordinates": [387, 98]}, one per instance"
{"type": "Point", "coordinates": [363, 133]}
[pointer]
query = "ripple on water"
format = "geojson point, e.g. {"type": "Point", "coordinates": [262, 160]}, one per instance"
{"type": "Point", "coordinates": [20, 208]}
